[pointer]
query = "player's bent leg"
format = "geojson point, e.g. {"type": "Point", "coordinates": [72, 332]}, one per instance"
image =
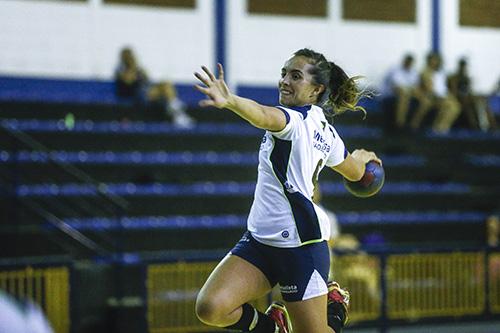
{"type": "Point", "coordinates": [233, 283]}
{"type": "Point", "coordinates": [309, 315]}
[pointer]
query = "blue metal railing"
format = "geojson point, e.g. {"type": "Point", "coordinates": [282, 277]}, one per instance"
{"type": "Point", "coordinates": [178, 222]}
{"type": "Point", "coordinates": [150, 128]}
{"type": "Point", "coordinates": [220, 189]}
{"type": "Point", "coordinates": [169, 158]}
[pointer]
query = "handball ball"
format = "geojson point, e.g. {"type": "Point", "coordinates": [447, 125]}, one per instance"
{"type": "Point", "coordinates": [371, 182]}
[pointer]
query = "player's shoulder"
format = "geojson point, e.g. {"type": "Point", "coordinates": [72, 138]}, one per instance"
{"type": "Point", "coordinates": [333, 131]}
{"type": "Point", "coordinates": [297, 111]}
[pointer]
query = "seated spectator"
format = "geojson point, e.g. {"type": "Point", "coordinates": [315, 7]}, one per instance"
{"type": "Point", "coordinates": [460, 86]}
{"type": "Point", "coordinates": [132, 82]}
{"type": "Point", "coordinates": [493, 231]}
{"type": "Point", "coordinates": [400, 83]}
{"type": "Point", "coordinates": [434, 94]}
{"type": "Point", "coordinates": [493, 106]}
{"type": "Point", "coordinates": [474, 107]}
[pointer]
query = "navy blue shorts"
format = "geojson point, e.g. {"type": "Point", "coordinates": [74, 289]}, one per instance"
{"type": "Point", "coordinates": [301, 272]}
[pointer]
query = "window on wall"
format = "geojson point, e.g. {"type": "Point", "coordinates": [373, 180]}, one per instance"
{"type": "Point", "coordinates": [314, 8]}
{"type": "Point", "coordinates": [157, 3]}
{"type": "Point", "coordinates": [379, 10]}
{"type": "Point", "coordinates": [480, 13]}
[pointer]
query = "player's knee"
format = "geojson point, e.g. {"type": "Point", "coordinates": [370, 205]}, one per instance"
{"type": "Point", "coordinates": [208, 310]}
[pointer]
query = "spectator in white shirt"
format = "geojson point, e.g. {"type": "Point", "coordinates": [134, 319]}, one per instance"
{"type": "Point", "coordinates": [401, 83]}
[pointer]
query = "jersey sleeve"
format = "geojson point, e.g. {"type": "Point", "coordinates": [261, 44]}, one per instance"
{"type": "Point", "coordinates": [338, 153]}
{"type": "Point", "coordinates": [292, 128]}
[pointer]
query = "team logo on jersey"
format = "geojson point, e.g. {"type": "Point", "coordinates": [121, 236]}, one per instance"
{"type": "Point", "coordinates": [285, 234]}
{"type": "Point", "coordinates": [289, 187]}
{"type": "Point", "coordinates": [263, 144]}
{"type": "Point", "coordinates": [292, 289]}
{"type": "Point", "coordinates": [320, 142]}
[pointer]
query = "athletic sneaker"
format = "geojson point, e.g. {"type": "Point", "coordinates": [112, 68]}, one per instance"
{"type": "Point", "coordinates": [277, 312]}
{"type": "Point", "coordinates": [338, 295]}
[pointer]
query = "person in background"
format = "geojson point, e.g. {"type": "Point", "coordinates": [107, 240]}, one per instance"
{"type": "Point", "coordinates": [401, 83]}
{"type": "Point", "coordinates": [493, 106]}
{"type": "Point", "coordinates": [493, 231]}
{"type": "Point", "coordinates": [435, 95]}
{"type": "Point", "coordinates": [475, 109]}
{"type": "Point", "coordinates": [461, 87]}
{"type": "Point", "coordinates": [132, 82]}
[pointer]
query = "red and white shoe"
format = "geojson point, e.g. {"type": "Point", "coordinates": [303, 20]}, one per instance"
{"type": "Point", "coordinates": [340, 296]}
{"type": "Point", "coordinates": [279, 314]}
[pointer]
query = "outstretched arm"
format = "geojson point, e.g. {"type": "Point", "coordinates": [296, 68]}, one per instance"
{"type": "Point", "coordinates": [353, 167]}
{"type": "Point", "coordinates": [219, 96]}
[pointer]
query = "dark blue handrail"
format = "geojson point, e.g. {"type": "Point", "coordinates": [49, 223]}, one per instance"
{"type": "Point", "coordinates": [221, 189]}
{"type": "Point", "coordinates": [178, 222]}
{"type": "Point", "coordinates": [169, 158]}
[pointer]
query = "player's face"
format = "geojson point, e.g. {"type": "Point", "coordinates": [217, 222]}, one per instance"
{"type": "Point", "coordinates": [296, 86]}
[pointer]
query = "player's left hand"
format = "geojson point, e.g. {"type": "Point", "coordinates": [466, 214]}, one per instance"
{"type": "Point", "coordinates": [365, 156]}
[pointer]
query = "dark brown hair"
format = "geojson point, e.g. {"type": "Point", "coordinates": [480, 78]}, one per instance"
{"type": "Point", "coordinates": [341, 91]}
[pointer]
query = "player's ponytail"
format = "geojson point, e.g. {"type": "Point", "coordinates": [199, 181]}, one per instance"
{"type": "Point", "coordinates": [341, 91]}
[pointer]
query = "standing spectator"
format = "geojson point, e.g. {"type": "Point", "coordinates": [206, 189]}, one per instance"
{"type": "Point", "coordinates": [435, 95]}
{"type": "Point", "coordinates": [400, 84]}
{"type": "Point", "coordinates": [132, 82]}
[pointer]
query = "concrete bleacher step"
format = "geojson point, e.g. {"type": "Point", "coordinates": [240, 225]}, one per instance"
{"type": "Point", "coordinates": [147, 136]}
{"type": "Point", "coordinates": [161, 170]}
{"type": "Point", "coordinates": [188, 166]}
{"type": "Point", "coordinates": [159, 233]}
{"type": "Point", "coordinates": [71, 200]}
{"type": "Point", "coordinates": [113, 111]}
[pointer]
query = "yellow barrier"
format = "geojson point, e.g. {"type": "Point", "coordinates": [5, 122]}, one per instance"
{"type": "Point", "coordinates": [430, 285]}
{"type": "Point", "coordinates": [494, 279]}
{"type": "Point", "coordinates": [48, 287]}
{"type": "Point", "coordinates": [418, 286]}
{"type": "Point", "coordinates": [172, 290]}
{"type": "Point", "coordinates": [360, 275]}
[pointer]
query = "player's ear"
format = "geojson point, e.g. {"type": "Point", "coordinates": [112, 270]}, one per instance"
{"type": "Point", "coordinates": [319, 89]}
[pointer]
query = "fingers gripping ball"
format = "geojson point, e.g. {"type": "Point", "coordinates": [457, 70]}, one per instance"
{"type": "Point", "coordinates": [371, 182]}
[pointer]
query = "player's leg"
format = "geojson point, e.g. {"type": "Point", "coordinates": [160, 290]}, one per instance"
{"type": "Point", "coordinates": [303, 274]}
{"type": "Point", "coordinates": [309, 315]}
{"type": "Point", "coordinates": [223, 300]}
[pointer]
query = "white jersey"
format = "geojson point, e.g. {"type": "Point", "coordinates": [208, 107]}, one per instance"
{"type": "Point", "coordinates": [282, 213]}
